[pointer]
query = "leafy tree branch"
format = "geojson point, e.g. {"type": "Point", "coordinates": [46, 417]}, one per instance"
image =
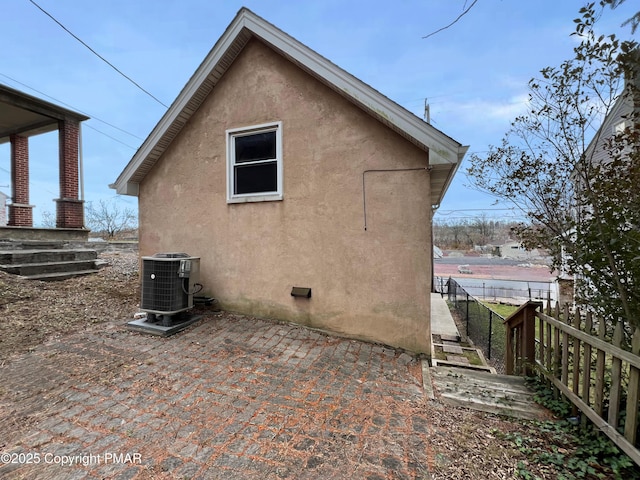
{"type": "Point", "coordinates": [578, 183]}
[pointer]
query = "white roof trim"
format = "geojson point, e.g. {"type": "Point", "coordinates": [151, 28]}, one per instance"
{"type": "Point", "coordinates": [443, 150]}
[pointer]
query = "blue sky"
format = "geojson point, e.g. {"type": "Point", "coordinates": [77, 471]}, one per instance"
{"type": "Point", "coordinates": [474, 74]}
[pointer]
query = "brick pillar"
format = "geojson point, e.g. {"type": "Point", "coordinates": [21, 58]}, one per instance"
{"type": "Point", "coordinates": [69, 209]}
{"type": "Point", "coordinates": [20, 212]}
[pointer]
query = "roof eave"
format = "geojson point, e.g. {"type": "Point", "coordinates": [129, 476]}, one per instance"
{"type": "Point", "coordinates": [35, 104]}
{"type": "Point", "coordinates": [436, 199]}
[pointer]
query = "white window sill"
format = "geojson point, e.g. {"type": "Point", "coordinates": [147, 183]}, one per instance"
{"type": "Point", "coordinates": [256, 198]}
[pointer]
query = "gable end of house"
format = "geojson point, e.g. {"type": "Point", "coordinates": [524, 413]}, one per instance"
{"type": "Point", "coordinates": [445, 154]}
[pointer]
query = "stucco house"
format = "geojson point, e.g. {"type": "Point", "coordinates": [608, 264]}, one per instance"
{"type": "Point", "coordinates": [280, 170]}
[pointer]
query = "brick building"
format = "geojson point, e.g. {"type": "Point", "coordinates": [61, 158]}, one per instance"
{"type": "Point", "coordinates": [23, 116]}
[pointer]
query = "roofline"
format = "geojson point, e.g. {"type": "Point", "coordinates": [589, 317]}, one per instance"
{"type": "Point", "coordinates": [443, 150]}
{"type": "Point", "coordinates": [29, 102]}
{"type": "Point", "coordinates": [452, 173]}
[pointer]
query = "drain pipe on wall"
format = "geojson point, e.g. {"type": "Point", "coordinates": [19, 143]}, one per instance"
{"type": "Point", "coordinates": [81, 170]}
{"type": "Point", "coordinates": [364, 195]}
{"type": "Point", "coordinates": [433, 244]}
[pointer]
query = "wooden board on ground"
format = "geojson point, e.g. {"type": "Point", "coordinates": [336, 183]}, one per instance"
{"type": "Point", "coordinates": [486, 392]}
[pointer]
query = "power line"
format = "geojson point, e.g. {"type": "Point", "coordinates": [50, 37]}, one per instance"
{"type": "Point", "coordinates": [80, 111]}
{"type": "Point", "coordinates": [112, 138]}
{"type": "Point", "coordinates": [96, 53]}
{"type": "Point", "coordinates": [452, 23]}
{"type": "Point", "coordinates": [30, 182]}
{"type": "Point", "coordinates": [462, 211]}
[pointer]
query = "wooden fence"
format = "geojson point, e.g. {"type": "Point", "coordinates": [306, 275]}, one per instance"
{"type": "Point", "coordinates": [585, 359]}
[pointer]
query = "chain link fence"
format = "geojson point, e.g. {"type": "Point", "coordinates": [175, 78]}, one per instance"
{"type": "Point", "coordinates": [484, 327]}
{"type": "Point", "coordinates": [497, 290]}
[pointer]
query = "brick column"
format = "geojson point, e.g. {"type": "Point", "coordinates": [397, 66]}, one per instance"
{"type": "Point", "coordinates": [69, 209]}
{"type": "Point", "coordinates": [20, 212]}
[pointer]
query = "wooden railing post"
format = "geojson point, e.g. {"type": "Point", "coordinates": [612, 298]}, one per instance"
{"type": "Point", "coordinates": [509, 357]}
{"type": "Point", "coordinates": [521, 339]}
{"type": "Point", "coordinates": [633, 394]}
{"type": "Point", "coordinates": [616, 379]}
{"type": "Point", "coordinates": [607, 391]}
{"type": "Point", "coordinates": [598, 403]}
{"type": "Point", "coordinates": [529, 340]}
{"type": "Point", "coordinates": [586, 376]}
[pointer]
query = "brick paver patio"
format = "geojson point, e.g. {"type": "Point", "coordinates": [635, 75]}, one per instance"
{"type": "Point", "coordinates": [231, 397]}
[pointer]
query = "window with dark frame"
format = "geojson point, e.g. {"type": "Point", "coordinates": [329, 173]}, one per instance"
{"type": "Point", "coordinates": [255, 164]}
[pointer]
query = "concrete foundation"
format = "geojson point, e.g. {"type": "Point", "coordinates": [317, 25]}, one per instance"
{"type": "Point", "coordinates": [44, 234]}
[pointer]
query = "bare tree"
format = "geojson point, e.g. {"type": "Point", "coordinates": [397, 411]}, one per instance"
{"type": "Point", "coordinates": [465, 234]}
{"type": "Point", "coordinates": [484, 230]}
{"type": "Point", "coordinates": [109, 219]}
{"type": "Point", "coordinates": [48, 219]}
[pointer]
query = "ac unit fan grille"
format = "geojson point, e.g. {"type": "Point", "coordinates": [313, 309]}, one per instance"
{"type": "Point", "coordinates": [162, 289]}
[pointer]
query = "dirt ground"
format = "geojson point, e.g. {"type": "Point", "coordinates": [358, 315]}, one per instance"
{"type": "Point", "coordinates": [34, 311]}
{"type": "Point", "coordinates": [530, 273]}
{"type": "Point", "coordinates": [463, 444]}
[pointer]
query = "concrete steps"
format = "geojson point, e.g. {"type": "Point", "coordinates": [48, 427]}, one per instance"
{"type": "Point", "coordinates": [460, 376]}
{"type": "Point", "coordinates": [48, 263]}
{"type": "Point", "coordinates": [487, 392]}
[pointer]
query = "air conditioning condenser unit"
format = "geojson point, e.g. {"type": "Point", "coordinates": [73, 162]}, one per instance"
{"type": "Point", "coordinates": [169, 282]}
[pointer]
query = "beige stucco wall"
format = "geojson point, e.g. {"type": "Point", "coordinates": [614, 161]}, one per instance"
{"type": "Point", "coordinates": [372, 284]}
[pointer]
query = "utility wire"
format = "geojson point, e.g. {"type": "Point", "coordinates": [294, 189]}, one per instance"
{"type": "Point", "coordinates": [92, 117]}
{"type": "Point", "coordinates": [30, 183]}
{"type": "Point", "coordinates": [452, 23]}
{"type": "Point", "coordinates": [80, 111]}
{"type": "Point", "coordinates": [112, 138]}
{"type": "Point", "coordinates": [96, 53]}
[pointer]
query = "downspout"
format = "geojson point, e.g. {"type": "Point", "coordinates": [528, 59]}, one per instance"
{"type": "Point", "coordinates": [81, 170]}
{"type": "Point", "coordinates": [433, 240]}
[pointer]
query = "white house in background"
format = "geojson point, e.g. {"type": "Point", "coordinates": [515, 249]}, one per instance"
{"type": "Point", "coordinates": [516, 250]}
